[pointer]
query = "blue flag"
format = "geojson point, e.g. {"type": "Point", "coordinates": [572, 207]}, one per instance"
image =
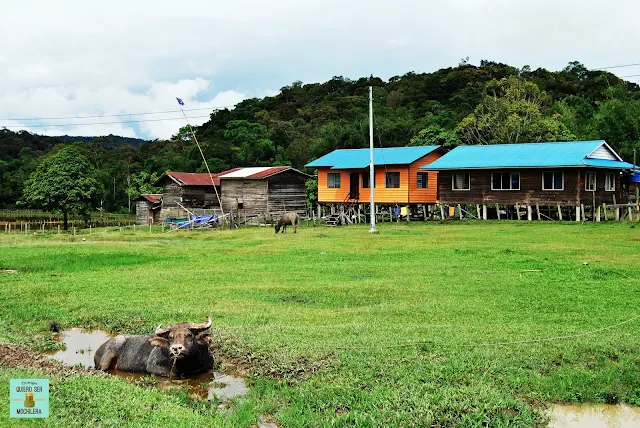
{"type": "Point", "coordinates": [180, 101]}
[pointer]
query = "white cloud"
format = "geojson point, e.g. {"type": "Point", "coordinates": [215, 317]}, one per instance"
{"type": "Point", "coordinates": [72, 57]}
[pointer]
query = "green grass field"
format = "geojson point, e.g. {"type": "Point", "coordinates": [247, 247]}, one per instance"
{"type": "Point", "coordinates": [319, 319]}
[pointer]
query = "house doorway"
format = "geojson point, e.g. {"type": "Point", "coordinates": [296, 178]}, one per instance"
{"type": "Point", "coordinates": [354, 185]}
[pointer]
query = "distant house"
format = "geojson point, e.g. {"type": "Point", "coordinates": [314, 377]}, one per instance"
{"type": "Point", "coordinates": [148, 209]}
{"type": "Point", "coordinates": [190, 190]}
{"type": "Point", "coordinates": [343, 176]}
{"type": "Point", "coordinates": [263, 191]}
{"type": "Point", "coordinates": [530, 175]}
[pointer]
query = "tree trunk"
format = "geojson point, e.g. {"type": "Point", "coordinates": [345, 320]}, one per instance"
{"type": "Point", "coordinates": [66, 220]}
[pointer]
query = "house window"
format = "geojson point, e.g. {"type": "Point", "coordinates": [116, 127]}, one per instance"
{"type": "Point", "coordinates": [590, 182]}
{"type": "Point", "coordinates": [505, 181]}
{"type": "Point", "coordinates": [365, 180]}
{"type": "Point", "coordinates": [553, 180]}
{"type": "Point", "coordinates": [423, 180]}
{"type": "Point", "coordinates": [609, 182]}
{"type": "Point", "coordinates": [333, 180]}
{"type": "Point", "coordinates": [460, 181]}
{"type": "Point", "coordinates": [392, 180]}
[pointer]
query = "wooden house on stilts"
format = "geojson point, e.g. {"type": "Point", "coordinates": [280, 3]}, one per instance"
{"type": "Point", "coordinates": [561, 180]}
{"type": "Point", "coordinates": [343, 181]}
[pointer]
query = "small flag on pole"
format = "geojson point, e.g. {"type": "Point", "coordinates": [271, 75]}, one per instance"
{"type": "Point", "coordinates": [180, 101]}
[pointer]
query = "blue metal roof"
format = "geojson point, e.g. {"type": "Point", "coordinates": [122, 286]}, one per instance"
{"type": "Point", "coordinates": [606, 163]}
{"type": "Point", "coordinates": [359, 158]}
{"type": "Point", "coordinates": [531, 155]}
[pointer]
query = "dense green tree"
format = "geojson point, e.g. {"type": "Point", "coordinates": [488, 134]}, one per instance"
{"type": "Point", "coordinates": [511, 112]}
{"type": "Point", "coordinates": [64, 181]}
{"type": "Point", "coordinates": [435, 135]}
{"type": "Point", "coordinates": [250, 144]}
{"type": "Point", "coordinates": [141, 183]}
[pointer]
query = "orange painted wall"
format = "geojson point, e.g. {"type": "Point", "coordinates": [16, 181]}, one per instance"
{"type": "Point", "coordinates": [430, 194]}
{"type": "Point", "coordinates": [408, 191]}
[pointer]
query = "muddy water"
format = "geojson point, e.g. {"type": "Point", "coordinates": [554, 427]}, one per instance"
{"type": "Point", "coordinates": [594, 416]}
{"type": "Point", "coordinates": [81, 345]}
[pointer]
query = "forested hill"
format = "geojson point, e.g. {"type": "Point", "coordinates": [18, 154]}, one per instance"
{"type": "Point", "coordinates": [485, 104]}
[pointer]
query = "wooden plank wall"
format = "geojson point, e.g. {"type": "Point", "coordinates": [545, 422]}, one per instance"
{"type": "Point", "coordinates": [530, 189]}
{"type": "Point", "coordinates": [252, 194]}
{"type": "Point", "coordinates": [430, 194]}
{"type": "Point", "coordinates": [142, 212]}
{"type": "Point", "coordinates": [286, 193]}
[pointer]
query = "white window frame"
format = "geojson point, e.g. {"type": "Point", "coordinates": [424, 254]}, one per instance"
{"type": "Point", "coordinates": [329, 175]}
{"type": "Point", "coordinates": [586, 181]}
{"type": "Point", "coordinates": [553, 181]}
{"type": "Point", "coordinates": [511, 174]}
{"type": "Point", "coordinates": [420, 184]}
{"type": "Point", "coordinates": [611, 188]}
{"type": "Point", "coordinates": [453, 181]}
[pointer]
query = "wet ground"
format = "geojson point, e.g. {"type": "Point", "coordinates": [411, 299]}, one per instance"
{"type": "Point", "coordinates": [81, 346]}
{"type": "Point", "coordinates": [594, 416]}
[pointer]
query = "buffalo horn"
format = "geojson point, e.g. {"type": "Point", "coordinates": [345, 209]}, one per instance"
{"type": "Point", "coordinates": [198, 327]}
{"type": "Point", "coordinates": [161, 331]}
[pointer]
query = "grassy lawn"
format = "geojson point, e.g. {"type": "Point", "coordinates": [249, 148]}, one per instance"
{"type": "Point", "coordinates": [316, 319]}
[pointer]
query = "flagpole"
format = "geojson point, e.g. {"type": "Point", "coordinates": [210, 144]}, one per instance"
{"type": "Point", "coordinates": [203, 158]}
{"type": "Point", "coordinates": [372, 178]}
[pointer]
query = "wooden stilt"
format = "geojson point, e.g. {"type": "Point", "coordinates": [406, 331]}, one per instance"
{"type": "Point", "coordinates": [498, 211]}
{"type": "Point", "coordinates": [604, 210]}
{"type": "Point", "coordinates": [460, 211]}
{"type": "Point", "coordinates": [478, 211]}
{"type": "Point", "coordinates": [598, 215]}
{"type": "Point", "coordinates": [538, 210]}
{"type": "Point", "coordinates": [441, 212]}
{"type": "Point", "coordinates": [484, 212]}
{"type": "Point", "coordinates": [630, 213]}
{"type": "Point", "coordinates": [577, 212]}
{"type": "Point", "coordinates": [529, 213]}
{"type": "Point", "coordinates": [518, 211]}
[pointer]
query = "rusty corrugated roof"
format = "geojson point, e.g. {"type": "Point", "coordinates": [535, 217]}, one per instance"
{"type": "Point", "coordinates": [196, 178]}
{"type": "Point", "coordinates": [152, 197]}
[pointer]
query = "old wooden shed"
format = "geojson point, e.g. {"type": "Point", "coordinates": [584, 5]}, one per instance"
{"type": "Point", "coordinates": [148, 208]}
{"type": "Point", "coordinates": [263, 191]}
{"type": "Point", "coordinates": [190, 190]}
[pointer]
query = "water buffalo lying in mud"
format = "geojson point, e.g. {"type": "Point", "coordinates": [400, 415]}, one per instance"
{"type": "Point", "coordinates": [180, 350]}
{"type": "Point", "coordinates": [288, 219]}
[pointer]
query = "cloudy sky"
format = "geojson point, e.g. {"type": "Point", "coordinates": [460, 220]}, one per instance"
{"type": "Point", "coordinates": [67, 58]}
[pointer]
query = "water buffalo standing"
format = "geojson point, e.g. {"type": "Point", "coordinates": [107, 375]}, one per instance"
{"type": "Point", "coordinates": [180, 350]}
{"type": "Point", "coordinates": [288, 219]}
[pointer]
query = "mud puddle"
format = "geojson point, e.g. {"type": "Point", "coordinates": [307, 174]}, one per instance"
{"type": "Point", "coordinates": [594, 416]}
{"type": "Point", "coordinates": [81, 346]}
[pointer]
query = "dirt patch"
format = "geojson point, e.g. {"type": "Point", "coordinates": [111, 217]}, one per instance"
{"type": "Point", "coordinates": [17, 356]}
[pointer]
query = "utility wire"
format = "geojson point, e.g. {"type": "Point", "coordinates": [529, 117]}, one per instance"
{"type": "Point", "coordinates": [99, 123]}
{"type": "Point", "coordinates": [617, 66]}
{"type": "Point", "coordinates": [118, 115]}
